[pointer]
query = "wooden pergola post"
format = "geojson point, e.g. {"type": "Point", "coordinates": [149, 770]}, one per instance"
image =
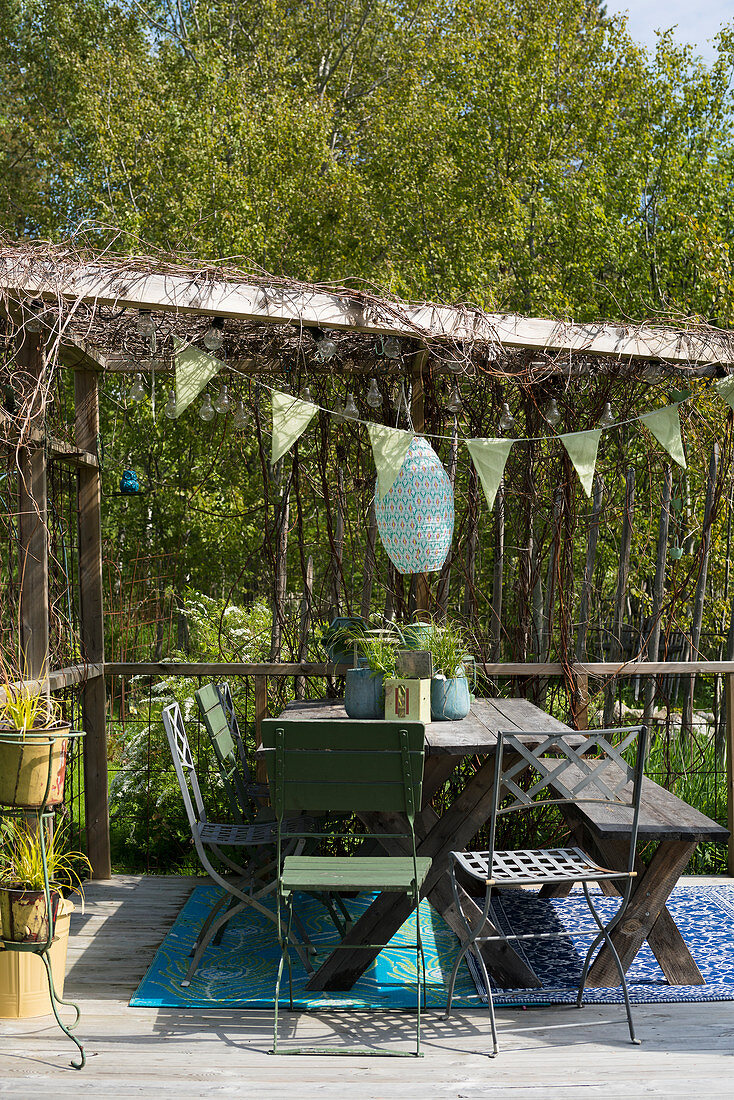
{"type": "Point", "coordinates": [33, 531]}
{"type": "Point", "coordinates": [94, 708]}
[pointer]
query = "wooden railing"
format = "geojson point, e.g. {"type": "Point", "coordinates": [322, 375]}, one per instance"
{"type": "Point", "coordinates": [579, 673]}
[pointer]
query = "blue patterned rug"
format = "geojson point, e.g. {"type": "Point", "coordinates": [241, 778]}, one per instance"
{"type": "Point", "coordinates": [705, 918]}
{"type": "Point", "coordinates": [240, 973]}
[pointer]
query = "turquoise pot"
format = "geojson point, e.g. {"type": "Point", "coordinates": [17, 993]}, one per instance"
{"type": "Point", "coordinates": [364, 694]}
{"type": "Point", "coordinates": [450, 699]}
{"type": "Point", "coordinates": [416, 635]}
{"type": "Point", "coordinates": [337, 652]}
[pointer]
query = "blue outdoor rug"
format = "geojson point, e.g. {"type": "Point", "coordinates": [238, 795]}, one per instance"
{"type": "Point", "coordinates": [240, 973]}
{"type": "Point", "coordinates": [705, 918]}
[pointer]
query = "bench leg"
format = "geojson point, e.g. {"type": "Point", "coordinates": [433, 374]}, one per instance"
{"type": "Point", "coordinates": [647, 917]}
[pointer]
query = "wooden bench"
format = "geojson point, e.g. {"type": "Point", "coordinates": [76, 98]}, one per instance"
{"type": "Point", "coordinates": [675, 829]}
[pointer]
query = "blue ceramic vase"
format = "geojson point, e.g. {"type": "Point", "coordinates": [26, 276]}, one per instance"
{"type": "Point", "coordinates": [450, 699]}
{"type": "Point", "coordinates": [364, 694]}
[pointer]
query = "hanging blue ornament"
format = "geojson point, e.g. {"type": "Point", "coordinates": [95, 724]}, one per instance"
{"type": "Point", "coordinates": [415, 517]}
{"type": "Point", "coordinates": [129, 484]}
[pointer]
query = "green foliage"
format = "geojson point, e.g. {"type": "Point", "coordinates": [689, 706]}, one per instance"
{"type": "Point", "coordinates": [21, 858]}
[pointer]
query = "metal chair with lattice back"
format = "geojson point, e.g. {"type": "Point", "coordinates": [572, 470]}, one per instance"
{"type": "Point", "coordinates": [347, 767]}
{"type": "Point", "coordinates": [555, 773]}
{"type": "Point", "coordinates": [244, 885]}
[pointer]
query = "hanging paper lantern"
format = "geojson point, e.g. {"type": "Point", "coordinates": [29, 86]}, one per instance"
{"type": "Point", "coordinates": [415, 517]}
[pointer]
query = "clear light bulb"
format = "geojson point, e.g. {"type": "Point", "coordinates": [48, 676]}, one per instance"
{"type": "Point", "coordinates": [240, 417]}
{"type": "Point", "coordinates": [351, 411]}
{"type": "Point", "coordinates": [206, 409]}
{"type": "Point", "coordinates": [454, 403]}
{"type": "Point", "coordinates": [391, 347]}
{"type": "Point", "coordinates": [214, 335]}
{"type": "Point", "coordinates": [455, 364]}
{"type": "Point", "coordinates": [326, 349]}
{"type": "Point", "coordinates": [306, 394]}
{"type": "Point", "coordinates": [374, 397]}
{"type": "Point", "coordinates": [138, 390]}
{"type": "Point", "coordinates": [507, 420]}
{"type": "Point", "coordinates": [553, 413]}
{"type": "Point", "coordinates": [338, 412]}
{"type": "Point", "coordinates": [607, 417]}
{"type": "Point", "coordinates": [145, 326]}
{"type": "Point", "coordinates": [170, 406]}
{"type": "Point", "coordinates": [222, 402]}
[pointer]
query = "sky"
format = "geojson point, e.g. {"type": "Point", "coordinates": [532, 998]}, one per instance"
{"type": "Point", "coordinates": [697, 20]}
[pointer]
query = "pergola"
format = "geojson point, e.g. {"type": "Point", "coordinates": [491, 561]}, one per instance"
{"type": "Point", "coordinates": [79, 313]}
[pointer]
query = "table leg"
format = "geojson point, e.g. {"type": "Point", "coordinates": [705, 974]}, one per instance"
{"type": "Point", "coordinates": [647, 917]}
{"type": "Point", "coordinates": [437, 838]}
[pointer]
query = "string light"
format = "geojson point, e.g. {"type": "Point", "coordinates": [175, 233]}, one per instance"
{"type": "Point", "coordinates": [607, 417]}
{"type": "Point", "coordinates": [326, 349]}
{"type": "Point", "coordinates": [222, 402]}
{"type": "Point", "coordinates": [374, 397]}
{"type": "Point", "coordinates": [214, 335]}
{"type": "Point", "coordinates": [507, 420]}
{"type": "Point", "coordinates": [553, 413]}
{"type": "Point", "coordinates": [240, 416]}
{"type": "Point", "coordinates": [145, 326]}
{"type": "Point", "coordinates": [338, 412]}
{"type": "Point", "coordinates": [170, 406]}
{"type": "Point", "coordinates": [306, 394]}
{"type": "Point", "coordinates": [138, 390]}
{"type": "Point", "coordinates": [351, 412]}
{"type": "Point", "coordinates": [390, 347]}
{"type": "Point", "coordinates": [455, 404]}
{"type": "Point", "coordinates": [207, 411]}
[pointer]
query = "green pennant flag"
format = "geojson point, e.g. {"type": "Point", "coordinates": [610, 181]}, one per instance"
{"type": "Point", "coordinates": [489, 457]}
{"type": "Point", "coordinates": [389, 448]}
{"type": "Point", "coordinates": [665, 426]}
{"type": "Point", "coordinates": [582, 448]}
{"type": "Point", "coordinates": [291, 417]}
{"type": "Point", "coordinates": [194, 368]}
{"type": "Point", "coordinates": [725, 386]}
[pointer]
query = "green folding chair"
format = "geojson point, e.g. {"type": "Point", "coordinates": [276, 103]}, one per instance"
{"type": "Point", "coordinates": [346, 767]}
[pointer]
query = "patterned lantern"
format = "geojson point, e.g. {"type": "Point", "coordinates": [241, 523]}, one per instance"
{"type": "Point", "coordinates": [415, 517]}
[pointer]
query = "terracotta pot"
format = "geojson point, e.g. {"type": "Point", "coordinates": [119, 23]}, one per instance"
{"type": "Point", "coordinates": [24, 915]}
{"type": "Point", "coordinates": [24, 767]}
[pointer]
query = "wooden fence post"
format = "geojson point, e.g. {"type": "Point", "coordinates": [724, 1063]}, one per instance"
{"type": "Point", "coordinates": [581, 701]}
{"type": "Point", "coordinates": [729, 693]}
{"type": "Point", "coordinates": [91, 606]}
{"type": "Point", "coordinates": [261, 711]}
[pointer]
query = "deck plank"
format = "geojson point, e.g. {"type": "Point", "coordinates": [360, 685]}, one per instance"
{"type": "Point", "coordinates": [546, 1053]}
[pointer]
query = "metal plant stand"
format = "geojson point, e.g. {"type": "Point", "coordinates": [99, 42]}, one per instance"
{"type": "Point", "coordinates": [45, 816]}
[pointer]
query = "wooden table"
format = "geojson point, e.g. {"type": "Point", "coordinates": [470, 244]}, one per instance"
{"type": "Point", "coordinates": [447, 744]}
{"type": "Point", "coordinates": [670, 827]}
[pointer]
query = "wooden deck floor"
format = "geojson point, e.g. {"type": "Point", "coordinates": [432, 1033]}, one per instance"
{"type": "Point", "coordinates": [556, 1052]}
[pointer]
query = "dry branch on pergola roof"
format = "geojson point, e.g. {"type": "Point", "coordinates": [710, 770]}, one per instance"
{"type": "Point", "coordinates": [91, 301]}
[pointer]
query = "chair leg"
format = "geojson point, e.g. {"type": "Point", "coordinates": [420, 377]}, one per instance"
{"type": "Point", "coordinates": [604, 935]}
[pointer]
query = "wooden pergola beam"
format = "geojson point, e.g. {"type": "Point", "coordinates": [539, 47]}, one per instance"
{"type": "Point", "coordinates": [115, 286]}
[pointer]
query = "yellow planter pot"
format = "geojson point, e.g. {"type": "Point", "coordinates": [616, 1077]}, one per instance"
{"type": "Point", "coordinates": [24, 765]}
{"type": "Point", "coordinates": [23, 981]}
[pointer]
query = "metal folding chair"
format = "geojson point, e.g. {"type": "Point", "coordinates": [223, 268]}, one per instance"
{"type": "Point", "coordinates": [246, 885]}
{"type": "Point", "coordinates": [347, 767]}
{"type": "Point", "coordinates": [554, 773]}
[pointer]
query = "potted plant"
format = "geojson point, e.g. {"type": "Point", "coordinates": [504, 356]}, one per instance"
{"type": "Point", "coordinates": [450, 695]}
{"type": "Point", "coordinates": [364, 693]}
{"type": "Point", "coordinates": [33, 744]}
{"type": "Point", "coordinates": [24, 915]}
{"type": "Point", "coordinates": [339, 637]}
